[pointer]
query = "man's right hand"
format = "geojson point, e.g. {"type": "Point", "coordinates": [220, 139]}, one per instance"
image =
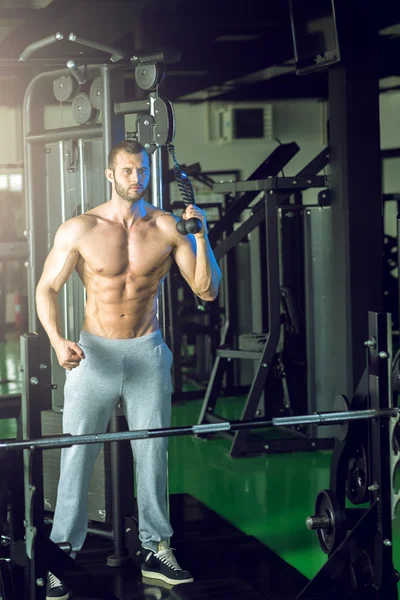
{"type": "Point", "coordinates": [69, 354]}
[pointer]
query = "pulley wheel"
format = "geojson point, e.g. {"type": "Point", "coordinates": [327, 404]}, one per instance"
{"type": "Point", "coordinates": [7, 591]}
{"type": "Point", "coordinates": [64, 88]}
{"type": "Point", "coordinates": [148, 77]}
{"type": "Point", "coordinates": [96, 93]}
{"type": "Point", "coordinates": [333, 533]}
{"type": "Point", "coordinates": [357, 476]}
{"type": "Point", "coordinates": [165, 121]}
{"type": "Point", "coordinates": [82, 109]}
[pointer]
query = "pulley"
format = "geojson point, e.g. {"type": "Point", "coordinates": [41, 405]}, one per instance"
{"type": "Point", "coordinates": [82, 109]}
{"type": "Point", "coordinates": [64, 88]}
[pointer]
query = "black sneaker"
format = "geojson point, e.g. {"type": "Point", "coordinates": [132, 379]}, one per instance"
{"type": "Point", "coordinates": [56, 589]}
{"type": "Point", "coordinates": [163, 565]}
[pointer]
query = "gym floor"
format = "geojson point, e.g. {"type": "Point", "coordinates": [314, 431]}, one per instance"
{"type": "Point", "coordinates": [258, 505]}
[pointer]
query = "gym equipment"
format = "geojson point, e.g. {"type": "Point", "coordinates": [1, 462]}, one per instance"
{"type": "Point", "coordinates": [328, 521]}
{"type": "Point", "coordinates": [330, 418]}
{"type": "Point", "coordinates": [96, 93]}
{"type": "Point", "coordinates": [82, 110]}
{"type": "Point", "coordinates": [75, 158]}
{"type": "Point", "coordinates": [64, 88]}
{"type": "Point", "coordinates": [357, 540]}
{"type": "Point", "coordinates": [276, 191]}
{"type": "Point", "coordinates": [186, 189]}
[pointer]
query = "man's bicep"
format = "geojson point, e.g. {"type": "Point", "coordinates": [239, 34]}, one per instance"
{"type": "Point", "coordinates": [60, 262]}
{"type": "Point", "coordinates": [185, 257]}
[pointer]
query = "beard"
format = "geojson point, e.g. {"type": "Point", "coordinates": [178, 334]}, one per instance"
{"type": "Point", "coordinates": [129, 195]}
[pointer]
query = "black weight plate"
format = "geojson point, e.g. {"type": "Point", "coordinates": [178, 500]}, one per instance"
{"type": "Point", "coordinates": [327, 505]}
{"type": "Point", "coordinates": [357, 476]}
{"type": "Point", "coordinates": [64, 88]}
{"type": "Point", "coordinates": [82, 109]}
{"type": "Point", "coordinates": [96, 93]}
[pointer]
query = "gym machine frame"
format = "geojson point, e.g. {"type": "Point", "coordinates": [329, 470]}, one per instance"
{"type": "Point", "coordinates": [155, 128]}
{"type": "Point", "coordinates": [276, 194]}
{"type": "Point", "coordinates": [358, 540]}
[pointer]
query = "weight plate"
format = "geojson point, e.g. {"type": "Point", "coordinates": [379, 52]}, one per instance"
{"type": "Point", "coordinates": [357, 476]}
{"type": "Point", "coordinates": [64, 88]}
{"type": "Point", "coordinates": [341, 404]}
{"type": "Point", "coordinates": [96, 93]}
{"type": "Point", "coordinates": [82, 109]}
{"type": "Point", "coordinates": [327, 505]}
{"type": "Point", "coordinates": [148, 77]}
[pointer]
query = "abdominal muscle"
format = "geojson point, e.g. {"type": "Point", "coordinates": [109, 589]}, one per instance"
{"type": "Point", "coordinates": [117, 309]}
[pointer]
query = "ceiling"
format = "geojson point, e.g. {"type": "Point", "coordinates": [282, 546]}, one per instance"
{"type": "Point", "coordinates": [229, 51]}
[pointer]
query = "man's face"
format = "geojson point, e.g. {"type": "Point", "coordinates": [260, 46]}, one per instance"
{"type": "Point", "coordinates": [131, 175]}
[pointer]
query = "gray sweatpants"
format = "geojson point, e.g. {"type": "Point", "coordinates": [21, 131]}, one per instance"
{"type": "Point", "coordinates": [136, 372]}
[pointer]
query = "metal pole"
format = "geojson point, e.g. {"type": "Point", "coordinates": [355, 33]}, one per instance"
{"type": "Point", "coordinates": [331, 418]}
{"type": "Point", "coordinates": [118, 558]}
{"type": "Point", "coordinates": [66, 134]}
{"type": "Point", "coordinates": [83, 186]}
{"type": "Point", "coordinates": [157, 200]}
{"type": "Point", "coordinates": [398, 265]}
{"type": "Point", "coordinates": [107, 118]}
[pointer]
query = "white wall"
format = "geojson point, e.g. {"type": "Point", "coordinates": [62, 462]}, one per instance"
{"type": "Point", "coordinates": [300, 121]}
{"type": "Point", "coordinates": [390, 138]}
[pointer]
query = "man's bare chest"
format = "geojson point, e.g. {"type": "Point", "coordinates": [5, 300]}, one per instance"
{"type": "Point", "coordinates": [112, 253]}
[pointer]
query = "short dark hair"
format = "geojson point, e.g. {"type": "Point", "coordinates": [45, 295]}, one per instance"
{"type": "Point", "coordinates": [130, 146]}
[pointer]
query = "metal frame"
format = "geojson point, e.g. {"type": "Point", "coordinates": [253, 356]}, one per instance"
{"type": "Point", "coordinates": [110, 131]}
{"type": "Point", "coordinates": [276, 193]}
{"type": "Point", "coordinates": [372, 414]}
{"type": "Point", "coordinates": [369, 529]}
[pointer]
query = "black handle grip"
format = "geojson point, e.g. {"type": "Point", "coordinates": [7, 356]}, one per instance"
{"type": "Point", "coordinates": [192, 225]}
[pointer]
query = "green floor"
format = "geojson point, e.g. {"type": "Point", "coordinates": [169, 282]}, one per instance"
{"type": "Point", "coordinates": [268, 497]}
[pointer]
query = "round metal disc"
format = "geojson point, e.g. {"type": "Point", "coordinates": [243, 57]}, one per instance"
{"type": "Point", "coordinates": [357, 476]}
{"type": "Point", "coordinates": [64, 88]}
{"type": "Point", "coordinates": [96, 93]}
{"type": "Point", "coordinates": [327, 505]}
{"type": "Point", "coordinates": [82, 109]}
{"type": "Point", "coordinates": [148, 77]}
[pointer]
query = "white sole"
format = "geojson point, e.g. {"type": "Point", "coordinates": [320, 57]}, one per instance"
{"type": "Point", "coordinates": [152, 575]}
{"type": "Point", "coordinates": [65, 597]}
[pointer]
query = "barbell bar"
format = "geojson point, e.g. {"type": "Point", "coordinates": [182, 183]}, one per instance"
{"type": "Point", "coordinates": [322, 418]}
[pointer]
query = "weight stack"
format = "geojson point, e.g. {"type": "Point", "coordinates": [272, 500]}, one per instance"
{"type": "Point", "coordinates": [100, 496]}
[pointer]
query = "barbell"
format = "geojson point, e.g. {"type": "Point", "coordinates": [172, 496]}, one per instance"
{"type": "Point", "coordinates": [318, 418]}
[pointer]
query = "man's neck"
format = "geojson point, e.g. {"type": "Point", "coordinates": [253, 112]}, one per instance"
{"type": "Point", "coordinates": [127, 213]}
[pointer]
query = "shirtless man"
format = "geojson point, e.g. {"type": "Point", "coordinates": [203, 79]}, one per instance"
{"type": "Point", "coordinates": [121, 250]}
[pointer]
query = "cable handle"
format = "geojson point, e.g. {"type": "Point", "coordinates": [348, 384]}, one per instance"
{"type": "Point", "coordinates": [184, 226]}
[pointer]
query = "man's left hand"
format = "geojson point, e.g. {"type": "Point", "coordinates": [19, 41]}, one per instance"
{"type": "Point", "coordinates": [193, 211]}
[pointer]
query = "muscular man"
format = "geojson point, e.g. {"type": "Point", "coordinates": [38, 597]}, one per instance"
{"type": "Point", "coordinates": [121, 250]}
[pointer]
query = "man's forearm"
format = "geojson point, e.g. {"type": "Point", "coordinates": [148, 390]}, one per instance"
{"type": "Point", "coordinates": [207, 273]}
{"type": "Point", "coordinates": [48, 311]}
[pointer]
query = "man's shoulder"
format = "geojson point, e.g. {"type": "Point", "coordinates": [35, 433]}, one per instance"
{"type": "Point", "coordinates": [166, 223]}
{"type": "Point", "coordinates": [74, 229]}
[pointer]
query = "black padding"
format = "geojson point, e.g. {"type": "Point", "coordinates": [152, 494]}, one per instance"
{"type": "Point", "coordinates": [220, 589]}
